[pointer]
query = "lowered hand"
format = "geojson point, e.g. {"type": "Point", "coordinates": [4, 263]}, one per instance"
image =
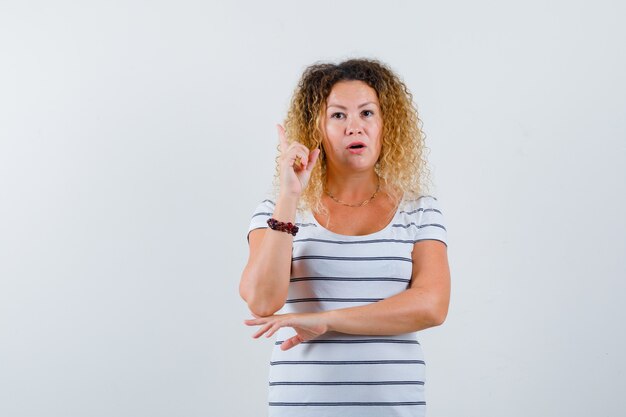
{"type": "Point", "coordinates": [307, 326]}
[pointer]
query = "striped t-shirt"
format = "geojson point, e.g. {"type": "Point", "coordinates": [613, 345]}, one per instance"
{"type": "Point", "coordinates": [348, 375]}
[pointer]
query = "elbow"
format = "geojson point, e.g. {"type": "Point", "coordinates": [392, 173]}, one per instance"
{"type": "Point", "coordinates": [262, 308]}
{"type": "Point", "coordinates": [258, 304]}
{"type": "Point", "coordinates": [263, 311]}
{"type": "Point", "coordinates": [438, 313]}
{"type": "Point", "coordinates": [438, 317]}
{"type": "Point", "coordinates": [428, 319]}
{"type": "Point", "coordinates": [434, 314]}
{"type": "Point", "coordinates": [429, 309]}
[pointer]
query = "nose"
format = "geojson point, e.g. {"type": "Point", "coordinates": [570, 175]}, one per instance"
{"type": "Point", "coordinates": [354, 127]}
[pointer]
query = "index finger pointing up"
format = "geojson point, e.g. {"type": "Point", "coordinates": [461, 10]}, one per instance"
{"type": "Point", "coordinates": [282, 139]}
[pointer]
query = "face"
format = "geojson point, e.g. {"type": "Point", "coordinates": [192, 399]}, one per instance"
{"type": "Point", "coordinates": [353, 125]}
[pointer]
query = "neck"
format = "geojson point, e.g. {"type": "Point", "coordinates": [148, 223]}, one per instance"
{"type": "Point", "coordinates": [354, 187]}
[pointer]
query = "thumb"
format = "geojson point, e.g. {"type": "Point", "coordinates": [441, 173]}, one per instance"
{"type": "Point", "coordinates": [313, 156]}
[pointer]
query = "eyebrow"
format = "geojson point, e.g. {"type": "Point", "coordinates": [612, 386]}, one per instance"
{"type": "Point", "coordinates": [345, 108]}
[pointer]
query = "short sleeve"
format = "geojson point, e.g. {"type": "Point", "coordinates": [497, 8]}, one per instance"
{"type": "Point", "coordinates": [262, 212]}
{"type": "Point", "coordinates": [428, 218]}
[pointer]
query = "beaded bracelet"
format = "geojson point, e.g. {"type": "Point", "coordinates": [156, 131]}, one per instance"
{"type": "Point", "coordinates": [288, 227]}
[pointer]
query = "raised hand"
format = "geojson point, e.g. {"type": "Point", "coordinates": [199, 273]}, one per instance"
{"type": "Point", "coordinates": [296, 164]}
{"type": "Point", "coordinates": [307, 326]}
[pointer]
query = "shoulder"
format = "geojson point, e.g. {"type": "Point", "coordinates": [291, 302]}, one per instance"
{"type": "Point", "coordinates": [422, 204]}
{"type": "Point", "coordinates": [261, 214]}
{"type": "Point", "coordinates": [265, 209]}
{"type": "Point", "coordinates": [423, 216]}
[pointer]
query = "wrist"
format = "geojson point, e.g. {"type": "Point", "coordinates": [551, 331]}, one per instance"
{"type": "Point", "coordinates": [288, 198]}
{"type": "Point", "coordinates": [288, 227]}
{"type": "Point", "coordinates": [285, 210]}
{"type": "Point", "coordinates": [329, 318]}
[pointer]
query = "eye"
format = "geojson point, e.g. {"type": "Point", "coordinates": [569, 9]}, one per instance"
{"type": "Point", "coordinates": [337, 115]}
{"type": "Point", "coordinates": [367, 113]}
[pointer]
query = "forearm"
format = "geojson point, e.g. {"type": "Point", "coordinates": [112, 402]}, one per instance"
{"type": "Point", "coordinates": [411, 310]}
{"type": "Point", "coordinates": [265, 279]}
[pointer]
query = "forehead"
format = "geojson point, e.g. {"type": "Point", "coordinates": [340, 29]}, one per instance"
{"type": "Point", "coordinates": [352, 92]}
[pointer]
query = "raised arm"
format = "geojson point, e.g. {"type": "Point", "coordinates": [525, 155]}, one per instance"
{"type": "Point", "coordinates": [265, 279]}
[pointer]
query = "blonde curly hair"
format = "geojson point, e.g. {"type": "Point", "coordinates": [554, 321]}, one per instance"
{"type": "Point", "coordinates": [402, 164]}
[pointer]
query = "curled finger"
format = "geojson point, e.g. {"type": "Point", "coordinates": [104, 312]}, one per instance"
{"type": "Point", "coordinates": [298, 155]}
{"type": "Point", "coordinates": [300, 161]}
{"type": "Point", "coordinates": [291, 342]}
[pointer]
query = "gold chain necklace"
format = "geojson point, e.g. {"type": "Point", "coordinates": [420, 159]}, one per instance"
{"type": "Point", "coordinates": [361, 204]}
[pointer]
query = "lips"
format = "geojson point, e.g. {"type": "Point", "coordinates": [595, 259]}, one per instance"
{"type": "Point", "coordinates": [356, 145]}
{"type": "Point", "coordinates": [356, 148]}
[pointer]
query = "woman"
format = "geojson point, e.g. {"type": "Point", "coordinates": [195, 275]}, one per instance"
{"type": "Point", "coordinates": [350, 251]}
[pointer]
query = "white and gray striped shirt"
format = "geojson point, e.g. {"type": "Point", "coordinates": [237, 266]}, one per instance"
{"type": "Point", "coordinates": [340, 374]}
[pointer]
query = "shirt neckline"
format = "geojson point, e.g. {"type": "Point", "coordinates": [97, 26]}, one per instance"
{"type": "Point", "coordinates": [369, 235]}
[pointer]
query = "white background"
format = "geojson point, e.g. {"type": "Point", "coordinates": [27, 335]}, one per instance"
{"type": "Point", "coordinates": [136, 139]}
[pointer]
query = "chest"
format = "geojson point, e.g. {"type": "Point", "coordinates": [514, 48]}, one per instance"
{"type": "Point", "coordinates": [335, 271]}
{"type": "Point", "coordinates": [380, 250]}
{"type": "Point", "coordinates": [357, 221]}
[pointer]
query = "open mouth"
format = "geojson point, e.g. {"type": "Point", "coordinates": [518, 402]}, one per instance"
{"type": "Point", "coordinates": [356, 145]}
